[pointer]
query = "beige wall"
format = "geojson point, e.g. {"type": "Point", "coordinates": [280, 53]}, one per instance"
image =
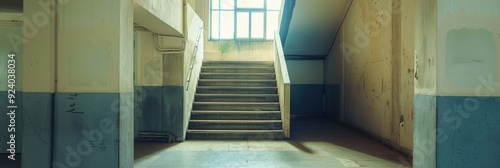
{"type": "Point", "coordinates": [157, 15]}
{"type": "Point", "coordinates": [97, 42]}
{"type": "Point", "coordinates": [38, 51]}
{"type": "Point", "coordinates": [374, 54]}
{"type": "Point", "coordinates": [468, 40]}
{"type": "Point", "coordinates": [8, 47]}
{"type": "Point", "coordinates": [230, 50]}
{"type": "Point", "coordinates": [148, 67]}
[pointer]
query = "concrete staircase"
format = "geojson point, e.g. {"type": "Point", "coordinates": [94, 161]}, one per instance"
{"type": "Point", "coordinates": [236, 100]}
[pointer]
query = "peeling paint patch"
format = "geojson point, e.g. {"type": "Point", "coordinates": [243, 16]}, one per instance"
{"type": "Point", "coordinates": [470, 53]}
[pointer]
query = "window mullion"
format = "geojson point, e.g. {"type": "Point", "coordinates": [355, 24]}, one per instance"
{"type": "Point", "coordinates": [218, 23]}
{"type": "Point", "coordinates": [265, 19]}
{"type": "Point", "coordinates": [250, 25]}
{"type": "Point", "coordinates": [210, 15]}
{"type": "Point", "coordinates": [261, 15]}
{"type": "Point", "coordinates": [235, 13]}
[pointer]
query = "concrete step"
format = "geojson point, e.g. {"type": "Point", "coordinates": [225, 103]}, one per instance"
{"type": "Point", "coordinates": [236, 69]}
{"type": "Point", "coordinates": [239, 63]}
{"type": "Point", "coordinates": [236, 90]}
{"type": "Point", "coordinates": [236, 98]}
{"type": "Point", "coordinates": [237, 106]}
{"type": "Point", "coordinates": [235, 124]}
{"type": "Point", "coordinates": [238, 76]}
{"type": "Point", "coordinates": [193, 134]}
{"type": "Point", "coordinates": [241, 82]}
{"type": "Point", "coordinates": [235, 115]}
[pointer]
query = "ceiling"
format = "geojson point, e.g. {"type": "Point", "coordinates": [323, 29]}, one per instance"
{"type": "Point", "coordinates": [313, 27]}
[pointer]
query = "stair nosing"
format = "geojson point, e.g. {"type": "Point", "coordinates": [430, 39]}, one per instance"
{"type": "Point", "coordinates": [195, 131]}
{"type": "Point", "coordinates": [237, 87]}
{"type": "Point", "coordinates": [238, 80]}
{"type": "Point", "coordinates": [238, 95]}
{"type": "Point", "coordinates": [236, 121]}
{"type": "Point", "coordinates": [245, 62]}
{"type": "Point", "coordinates": [232, 111]}
{"type": "Point", "coordinates": [239, 66]}
{"type": "Point", "coordinates": [237, 103]}
{"type": "Point", "coordinates": [234, 73]}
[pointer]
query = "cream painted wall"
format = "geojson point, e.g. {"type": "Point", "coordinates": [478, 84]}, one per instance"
{"type": "Point", "coordinates": [407, 73]}
{"type": "Point", "coordinates": [148, 61]}
{"type": "Point", "coordinates": [425, 49]}
{"type": "Point", "coordinates": [6, 48]}
{"type": "Point", "coordinates": [157, 15]}
{"type": "Point", "coordinates": [93, 41]}
{"type": "Point", "coordinates": [230, 50]}
{"type": "Point", "coordinates": [372, 59]}
{"type": "Point", "coordinates": [39, 51]}
{"type": "Point", "coordinates": [468, 48]}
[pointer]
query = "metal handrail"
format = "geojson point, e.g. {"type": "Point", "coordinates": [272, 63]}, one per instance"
{"type": "Point", "coordinates": [195, 50]}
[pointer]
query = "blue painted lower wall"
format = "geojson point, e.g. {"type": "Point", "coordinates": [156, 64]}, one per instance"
{"type": "Point", "coordinates": [456, 132]}
{"type": "Point", "coordinates": [470, 131]}
{"type": "Point", "coordinates": [37, 132]}
{"type": "Point", "coordinates": [5, 121]}
{"type": "Point", "coordinates": [306, 100]}
{"type": "Point", "coordinates": [333, 100]}
{"type": "Point", "coordinates": [159, 109]}
{"type": "Point", "coordinates": [424, 134]}
{"type": "Point", "coordinates": [90, 129]}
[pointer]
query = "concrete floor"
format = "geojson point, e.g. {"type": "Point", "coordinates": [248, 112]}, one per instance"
{"type": "Point", "coordinates": [316, 142]}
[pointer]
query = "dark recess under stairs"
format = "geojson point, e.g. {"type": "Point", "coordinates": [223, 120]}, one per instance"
{"type": "Point", "coordinates": [236, 100]}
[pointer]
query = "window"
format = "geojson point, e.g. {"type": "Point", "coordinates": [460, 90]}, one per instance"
{"type": "Point", "coordinates": [244, 19]}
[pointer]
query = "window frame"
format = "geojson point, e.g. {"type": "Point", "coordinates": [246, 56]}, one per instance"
{"type": "Point", "coordinates": [235, 11]}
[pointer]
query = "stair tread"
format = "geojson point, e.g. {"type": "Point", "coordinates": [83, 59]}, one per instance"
{"type": "Point", "coordinates": [244, 103]}
{"type": "Point", "coordinates": [232, 73]}
{"type": "Point", "coordinates": [236, 87]}
{"type": "Point", "coordinates": [241, 62]}
{"type": "Point", "coordinates": [235, 67]}
{"type": "Point", "coordinates": [233, 99]}
{"type": "Point", "coordinates": [238, 80]}
{"type": "Point", "coordinates": [233, 131]}
{"type": "Point", "coordinates": [237, 121]}
{"type": "Point", "coordinates": [238, 95]}
{"type": "Point", "coordinates": [237, 112]}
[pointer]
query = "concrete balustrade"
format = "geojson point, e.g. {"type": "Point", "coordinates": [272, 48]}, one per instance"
{"type": "Point", "coordinates": [283, 82]}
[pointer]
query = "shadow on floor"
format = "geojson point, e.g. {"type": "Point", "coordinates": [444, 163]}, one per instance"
{"type": "Point", "coordinates": [327, 134]}
{"type": "Point", "coordinates": [142, 149]}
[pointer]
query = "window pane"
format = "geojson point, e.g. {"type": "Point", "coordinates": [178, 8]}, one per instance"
{"type": "Point", "coordinates": [215, 4]}
{"type": "Point", "coordinates": [274, 4]}
{"type": "Point", "coordinates": [250, 4]}
{"type": "Point", "coordinates": [215, 25]}
{"type": "Point", "coordinates": [272, 24]}
{"type": "Point", "coordinates": [227, 25]}
{"type": "Point", "coordinates": [257, 25]}
{"type": "Point", "coordinates": [243, 25]}
{"type": "Point", "coordinates": [227, 4]}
